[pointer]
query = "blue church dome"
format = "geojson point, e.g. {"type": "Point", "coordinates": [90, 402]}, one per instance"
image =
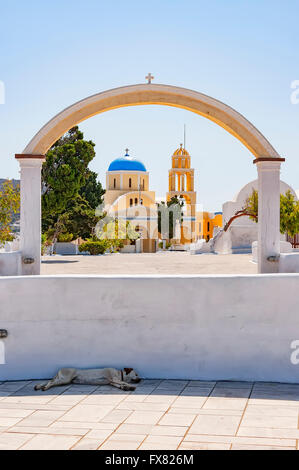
{"type": "Point", "coordinates": [126, 163]}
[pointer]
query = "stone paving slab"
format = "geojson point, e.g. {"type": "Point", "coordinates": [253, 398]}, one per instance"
{"type": "Point", "coordinates": [159, 415]}
{"type": "Point", "coordinates": [149, 263]}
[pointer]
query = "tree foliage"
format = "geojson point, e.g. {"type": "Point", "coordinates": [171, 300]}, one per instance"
{"type": "Point", "coordinates": [251, 205]}
{"type": "Point", "coordinates": [289, 211]}
{"type": "Point", "coordinates": [9, 205]}
{"type": "Point", "coordinates": [94, 247]}
{"type": "Point", "coordinates": [92, 191]}
{"type": "Point", "coordinates": [289, 214]}
{"type": "Point", "coordinates": [70, 191]}
{"type": "Point", "coordinates": [81, 218]}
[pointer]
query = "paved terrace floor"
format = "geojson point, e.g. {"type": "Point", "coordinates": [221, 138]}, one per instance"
{"type": "Point", "coordinates": [159, 414]}
{"type": "Point", "coordinates": [149, 263]}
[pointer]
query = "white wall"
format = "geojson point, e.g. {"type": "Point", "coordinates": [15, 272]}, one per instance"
{"type": "Point", "coordinates": [243, 231]}
{"type": "Point", "coordinates": [229, 208]}
{"type": "Point", "coordinates": [289, 263]}
{"type": "Point", "coordinates": [10, 264]}
{"type": "Point", "coordinates": [232, 327]}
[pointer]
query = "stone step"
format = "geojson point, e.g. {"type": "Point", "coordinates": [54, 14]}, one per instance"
{"type": "Point", "coordinates": [238, 250]}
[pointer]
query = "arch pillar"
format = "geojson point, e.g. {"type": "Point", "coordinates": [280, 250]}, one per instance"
{"type": "Point", "coordinates": [268, 214]}
{"type": "Point", "coordinates": [30, 212]}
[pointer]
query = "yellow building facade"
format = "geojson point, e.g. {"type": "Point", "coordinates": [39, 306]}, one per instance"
{"type": "Point", "coordinates": [196, 224]}
{"type": "Point", "coordinates": [205, 224]}
{"type": "Point", "coordinates": [181, 184]}
{"type": "Point", "coordinates": [128, 195]}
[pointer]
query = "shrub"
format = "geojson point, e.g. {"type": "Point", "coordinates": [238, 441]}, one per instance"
{"type": "Point", "coordinates": [94, 247]}
{"type": "Point", "coordinates": [115, 245]}
{"type": "Point", "coordinates": [9, 208]}
{"type": "Point", "coordinates": [65, 237]}
{"type": "Point", "coordinates": [45, 243]}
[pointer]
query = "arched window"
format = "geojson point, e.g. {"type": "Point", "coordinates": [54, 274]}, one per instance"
{"type": "Point", "coordinates": [130, 182]}
{"type": "Point", "coordinates": [143, 185]}
{"type": "Point", "coordinates": [136, 201]}
{"type": "Point", "coordinates": [131, 202]}
{"type": "Point", "coordinates": [141, 202]}
{"type": "Point", "coordinates": [114, 183]}
{"type": "Point", "coordinates": [208, 226]}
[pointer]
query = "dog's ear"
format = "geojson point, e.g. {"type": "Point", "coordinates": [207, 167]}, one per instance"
{"type": "Point", "coordinates": [128, 370]}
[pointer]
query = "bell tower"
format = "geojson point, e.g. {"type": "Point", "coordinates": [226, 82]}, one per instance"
{"type": "Point", "coordinates": [181, 184]}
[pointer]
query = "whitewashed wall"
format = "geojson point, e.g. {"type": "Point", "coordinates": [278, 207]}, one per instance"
{"type": "Point", "coordinates": [243, 231]}
{"type": "Point", "coordinates": [10, 264]}
{"type": "Point", "coordinates": [195, 327]}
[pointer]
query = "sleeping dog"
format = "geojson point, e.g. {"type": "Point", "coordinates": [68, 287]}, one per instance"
{"type": "Point", "coordinates": [108, 376]}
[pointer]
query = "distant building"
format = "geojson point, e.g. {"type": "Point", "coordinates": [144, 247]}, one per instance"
{"type": "Point", "coordinates": [206, 223]}
{"type": "Point", "coordinates": [181, 184]}
{"type": "Point", "coordinates": [196, 225]}
{"type": "Point", "coordinates": [128, 197]}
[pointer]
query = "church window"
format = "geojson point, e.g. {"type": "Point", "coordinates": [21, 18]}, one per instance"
{"type": "Point", "coordinates": [141, 202]}
{"type": "Point", "coordinates": [208, 226]}
{"type": "Point", "coordinates": [143, 185]}
{"type": "Point", "coordinates": [136, 201]}
{"type": "Point", "coordinates": [131, 202]}
{"type": "Point", "coordinates": [114, 183]}
{"type": "Point", "coordinates": [130, 182]}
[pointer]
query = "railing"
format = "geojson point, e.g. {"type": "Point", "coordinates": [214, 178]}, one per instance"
{"type": "Point", "coordinates": [294, 240]}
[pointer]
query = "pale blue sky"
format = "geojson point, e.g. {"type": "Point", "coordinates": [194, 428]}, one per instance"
{"type": "Point", "coordinates": [242, 52]}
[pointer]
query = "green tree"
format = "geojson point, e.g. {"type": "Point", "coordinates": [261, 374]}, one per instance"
{"type": "Point", "coordinates": [289, 211]}
{"type": "Point", "coordinates": [9, 205]}
{"type": "Point", "coordinates": [251, 205]}
{"type": "Point", "coordinates": [70, 137]}
{"type": "Point", "coordinates": [92, 191]}
{"type": "Point", "coordinates": [70, 190]}
{"type": "Point", "coordinates": [289, 214]}
{"type": "Point", "coordinates": [81, 218]}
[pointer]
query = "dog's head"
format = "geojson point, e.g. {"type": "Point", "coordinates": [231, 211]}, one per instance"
{"type": "Point", "coordinates": [130, 375]}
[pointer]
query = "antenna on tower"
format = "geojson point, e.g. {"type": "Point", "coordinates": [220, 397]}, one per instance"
{"type": "Point", "coordinates": [184, 136]}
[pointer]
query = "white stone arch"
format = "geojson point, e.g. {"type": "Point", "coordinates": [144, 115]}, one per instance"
{"type": "Point", "coordinates": [266, 157]}
{"type": "Point", "coordinates": [144, 94]}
